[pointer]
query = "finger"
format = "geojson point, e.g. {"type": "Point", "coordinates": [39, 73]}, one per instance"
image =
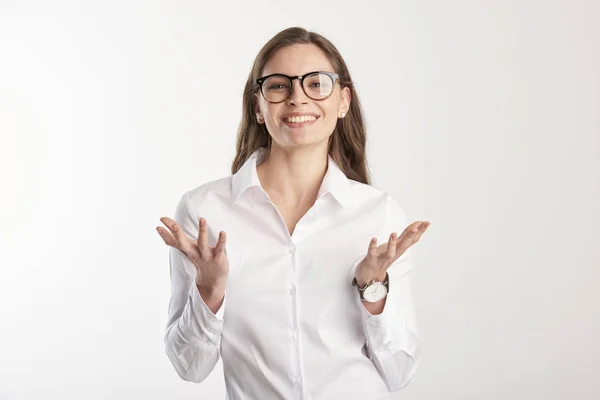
{"type": "Point", "coordinates": [391, 246]}
{"type": "Point", "coordinates": [180, 238]}
{"type": "Point", "coordinates": [203, 240]}
{"type": "Point", "coordinates": [171, 226]}
{"type": "Point", "coordinates": [422, 229]}
{"type": "Point", "coordinates": [182, 242]}
{"type": "Point", "coordinates": [166, 237]}
{"type": "Point", "coordinates": [413, 237]}
{"type": "Point", "coordinates": [419, 231]}
{"type": "Point", "coordinates": [169, 223]}
{"type": "Point", "coordinates": [220, 247]}
{"type": "Point", "coordinates": [372, 247]}
{"type": "Point", "coordinates": [407, 231]}
{"type": "Point", "coordinates": [407, 234]}
{"type": "Point", "coordinates": [414, 227]}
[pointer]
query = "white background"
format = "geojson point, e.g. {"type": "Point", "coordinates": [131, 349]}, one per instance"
{"type": "Point", "coordinates": [483, 117]}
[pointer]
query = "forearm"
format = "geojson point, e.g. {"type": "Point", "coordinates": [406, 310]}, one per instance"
{"type": "Point", "coordinates": [392, 341]}
{"type": "Point", "coordinates": [374, 308]}
{"type": "Point", "coordinates": [212, 294]}
{"type": "Point", "coordinates": [362, 278]}
{"type": "Point", "coordinates": [392, 345]}
{"type": "Point", "coordinates": [193, 339]}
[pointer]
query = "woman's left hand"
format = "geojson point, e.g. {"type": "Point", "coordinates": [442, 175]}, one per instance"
{"type": "Point", "coordinates": [379, 258]}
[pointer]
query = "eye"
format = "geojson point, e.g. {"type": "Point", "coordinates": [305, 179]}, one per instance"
{"type": "Point", "coordinates": [277, 86]}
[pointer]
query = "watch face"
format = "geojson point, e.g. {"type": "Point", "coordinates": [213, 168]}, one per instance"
{"type": "Point", "coordinates": [375, 292]}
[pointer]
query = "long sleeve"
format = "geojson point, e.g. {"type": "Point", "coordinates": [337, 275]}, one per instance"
{"type": "Point", "coordinates": [193, 334]}
{"type": "Point", "coordinates": [392, 341]}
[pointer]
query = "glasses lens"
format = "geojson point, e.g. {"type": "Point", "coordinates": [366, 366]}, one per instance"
{"type": "Point", "coordinates": [318, 86]}
{"type": "Point", "coordinates": [276, 88]}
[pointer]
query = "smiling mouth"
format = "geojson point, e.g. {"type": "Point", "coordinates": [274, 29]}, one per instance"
{"type": "Point", "coordinates": [300, 119]}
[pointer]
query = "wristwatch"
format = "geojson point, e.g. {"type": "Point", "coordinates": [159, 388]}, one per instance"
{"type": "Point", "coordinates": [373, 291]}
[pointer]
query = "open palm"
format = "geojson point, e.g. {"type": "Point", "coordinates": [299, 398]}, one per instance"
{"type": "Point", "coordinates": [379, 258]}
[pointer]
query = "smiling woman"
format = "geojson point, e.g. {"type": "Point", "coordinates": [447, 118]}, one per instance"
{"type": "Point", "coordinates": [299, 73]}
{"type": "Point", "coordinates": [298, 300]}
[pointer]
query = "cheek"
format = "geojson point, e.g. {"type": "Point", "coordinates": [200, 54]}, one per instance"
{"type": "Point", "coordinates": [270, 111]}
{"type": "Point", "coordinates": [332, 105]}
{"type": "Point", "coordinates": [331, 111]}
{"type": "Point", "coordinates": [330, 122]}
{"type": "Point", "coordinates": [272, 123]}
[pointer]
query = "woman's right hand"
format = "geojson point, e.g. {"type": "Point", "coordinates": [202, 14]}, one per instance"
{"type": "Point", "coordinates": [212, 265]}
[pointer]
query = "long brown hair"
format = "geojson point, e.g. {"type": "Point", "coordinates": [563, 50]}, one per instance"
{"type": "Point", "coordinates": [348, 141]}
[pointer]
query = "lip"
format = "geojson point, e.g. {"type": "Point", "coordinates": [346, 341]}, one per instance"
{"type": "Point", "coordinates": [299, 124]}
{"type": "Point", "coordinates": [299, 114]}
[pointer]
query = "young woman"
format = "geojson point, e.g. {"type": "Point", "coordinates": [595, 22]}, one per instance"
{"type": "Point", "coordinates": [298, 300]}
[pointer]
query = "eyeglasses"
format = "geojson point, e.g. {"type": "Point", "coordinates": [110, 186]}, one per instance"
{"type": "Point", "coordinates": [317, 85]}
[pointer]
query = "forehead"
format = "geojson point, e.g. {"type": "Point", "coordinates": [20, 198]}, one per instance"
{"type": "Point", "coordinates": [297, 59]}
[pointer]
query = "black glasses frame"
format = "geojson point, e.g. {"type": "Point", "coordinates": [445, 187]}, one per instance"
{"type": "Point", "coordinates": [334, 77]}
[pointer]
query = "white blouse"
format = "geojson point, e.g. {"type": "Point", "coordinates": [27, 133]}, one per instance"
{"type": "Point", "coordinates": [292, 326]}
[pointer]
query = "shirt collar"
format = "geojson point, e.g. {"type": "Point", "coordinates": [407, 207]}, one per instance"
{"type": "Point", "coordinates": [334, 182]}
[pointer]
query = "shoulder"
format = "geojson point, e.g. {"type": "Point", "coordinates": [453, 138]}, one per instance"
{"type": "Point", "coordinates": [218, 190]}
{"type": "Point", "coordinates": [375, 197]}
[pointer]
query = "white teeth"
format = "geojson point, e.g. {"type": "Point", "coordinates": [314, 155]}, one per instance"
{"type": "Point", "coordinates": [302, 118]}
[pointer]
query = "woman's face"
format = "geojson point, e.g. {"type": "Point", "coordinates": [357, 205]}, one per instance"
{"type": "Point", "coordinates": [296, 60]}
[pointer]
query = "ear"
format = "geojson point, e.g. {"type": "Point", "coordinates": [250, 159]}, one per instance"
{"type": "Point", "coordinates": [255, 102]}
{"type": "Point", "coordinates": [257, 112]}
{"type": "Point", "coordinates": [346, 99]}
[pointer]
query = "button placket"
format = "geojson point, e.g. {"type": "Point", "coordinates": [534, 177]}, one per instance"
{"type": "Point", "coordinates": [293, 290]}
{"type": "Point", "coordinates": [292, 252]}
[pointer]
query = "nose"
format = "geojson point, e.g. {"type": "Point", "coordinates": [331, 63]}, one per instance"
{"type": "Point", "coordinates": [297, 96]}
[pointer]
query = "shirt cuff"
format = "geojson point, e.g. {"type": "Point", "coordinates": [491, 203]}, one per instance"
{"type": "Point", "coordinates": [210, 323]}
{"type": "Point", "coordinates": [386, 333]}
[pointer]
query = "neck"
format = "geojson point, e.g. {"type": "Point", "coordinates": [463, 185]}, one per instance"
{"type": "Point", "coordinates": [293, 176]}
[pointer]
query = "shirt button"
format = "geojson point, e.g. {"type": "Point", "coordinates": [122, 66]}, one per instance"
{"type": "Point", "coordinates": [295, 336]}
{"type": "Point", "coordinates": [292, 250]}
{"type": "Point", "coordinates": [298, 381]}
{"type": "Point", "coordinates": [292, 290]}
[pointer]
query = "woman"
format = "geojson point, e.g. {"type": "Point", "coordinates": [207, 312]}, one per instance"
{"type": "Point", "coordinates": [298, 300]}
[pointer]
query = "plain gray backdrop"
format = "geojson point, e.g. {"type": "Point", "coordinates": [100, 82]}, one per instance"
{"type": "Point", "coordinates": [482, 117]}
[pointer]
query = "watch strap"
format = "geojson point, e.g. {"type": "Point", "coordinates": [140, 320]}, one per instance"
{"type": "Point", "coordinates": [386, 282]}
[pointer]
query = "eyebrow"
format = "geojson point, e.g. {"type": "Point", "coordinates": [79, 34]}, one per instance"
{"type": "Point", "coordinates": [308, 71]}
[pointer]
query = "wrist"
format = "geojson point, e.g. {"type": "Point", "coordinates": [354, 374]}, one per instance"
{"type": "Point", "coordinates": [364, 277]}
{"type": "Point", "coordinates": [213, 288]}
{"type": "Point", "coordinates": [212, 295]}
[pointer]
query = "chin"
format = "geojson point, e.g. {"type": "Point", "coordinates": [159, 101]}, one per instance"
{"type": "Point", "coordinates": [307, 140]}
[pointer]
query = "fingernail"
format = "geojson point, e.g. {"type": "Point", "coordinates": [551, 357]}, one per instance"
{"type": "Point", "coordinates": [174, 227]}
{"type": "Point", "coordinates": [158, 230]}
